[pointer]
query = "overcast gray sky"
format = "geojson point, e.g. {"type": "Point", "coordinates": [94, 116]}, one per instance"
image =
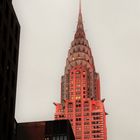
{"type": "Point", "coordinates": [113, 30]}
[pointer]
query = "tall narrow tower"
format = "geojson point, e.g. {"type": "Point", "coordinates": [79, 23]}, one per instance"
{"type": "Point", "coordinates": [80, 91]}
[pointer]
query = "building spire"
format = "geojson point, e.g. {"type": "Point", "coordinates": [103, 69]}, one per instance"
{"type": "Point", "coordinates": [80, 5]}
{"type": "Point", "coordinates": [80, 28]}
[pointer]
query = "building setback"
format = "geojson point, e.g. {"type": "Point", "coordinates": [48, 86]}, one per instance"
{"type": "Point", "coordinates": [9, 48]}
{"type": "Point", "coordinates": [49, 130]}
{"type": "Point", "coordinates": [80, 91]}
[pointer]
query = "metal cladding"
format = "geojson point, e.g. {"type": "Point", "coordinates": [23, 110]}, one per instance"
{"type": "Point", "coordinates": [80, 91]}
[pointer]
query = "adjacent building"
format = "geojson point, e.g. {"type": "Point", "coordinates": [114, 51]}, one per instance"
{"type": "Point", "coordinates": [49, 130]}
{"type": "Point", "coordinates": [80, 91]}
{"type": "Point", "coordinates": [9, 48]}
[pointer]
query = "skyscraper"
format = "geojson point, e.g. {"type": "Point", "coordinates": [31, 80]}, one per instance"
{"type": "Point", "coordinates": [80, 91]}
{"type": "Point", "coordinates": [9, 47]}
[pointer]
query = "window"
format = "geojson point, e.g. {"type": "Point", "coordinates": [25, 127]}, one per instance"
{"type": "Point", "coordinates": [78, 89]}
{"type": "Point", "coordinates": [86, 114]}
{"type": "Point", "coordinates": [86, 132]}
{"type": "Point", "coordinates": [86, 119]}
{"type": "Point", "coordinates": [47, 138]}
{"type": "Point", "coordinates": [86, 123]}
{"type": "Point", "coordinates": [78, 119]}
{"type": "Point", "coordinates": [78, 110]}
{"type": "Point", "coordinates": [77, 72]}
{"type": "Point", "coordinates": [78, 123]}
{"type": "Point", "coordinates": [78, 114]}
{"type": "Point", "coordinates": [65, 137]}
{"type": "Point", "coordinates": [78, 128]}
{"type": "Point", "coordinates": [86, 109]}
{"type": "Point", "coordinates": [83, 76]}
{"type": "Point", "coordinates": [78, 101]}
{"type": "Point", "coordinates": [61, 137]}
{"type": "Point", "coordinates": [96, 113]}
{"type": "Point", "coordinates": [70, 105]}
{"type": "Point", "coordinates": [86, 136]}
{"type": "Point", "coordinates": [78, 85]}
{"type": "Point", "coordinates": [78, 93]}
{"type": "Point", "coordinates": [95, 122]}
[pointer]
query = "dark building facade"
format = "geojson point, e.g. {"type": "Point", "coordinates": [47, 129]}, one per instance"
{"type": "Point", "coordinates": [30, 131]}
{"type": "Point", "coordinates": [9, 48]}
{"type": "Point", "coordinates": [50, 130]}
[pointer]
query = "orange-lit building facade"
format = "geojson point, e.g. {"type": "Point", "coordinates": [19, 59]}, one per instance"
{"type": "Point", "coordinates": [80, 91]}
